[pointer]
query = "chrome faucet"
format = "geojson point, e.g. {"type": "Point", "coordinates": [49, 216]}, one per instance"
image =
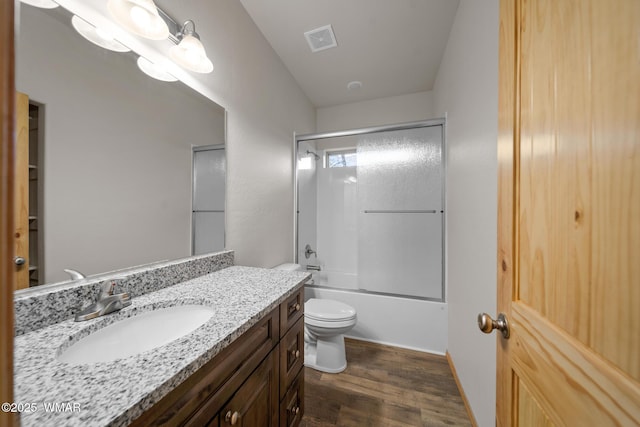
{"type": "Point", "coordinates": [107, 302]}
{"type": "Point", "coordinates": [75, 274]}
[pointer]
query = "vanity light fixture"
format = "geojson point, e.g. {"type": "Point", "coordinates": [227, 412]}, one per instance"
{"type": "Point", "coordinates": [44, 4]}
{"type": "Point", "coordinates": [97, 35]}
{"type": "Point", "coordinates": [190, 53]}
{"type": "Point", "coordinates": [141, 17]}
{"type": "Point", "coordinates": [157, 71]}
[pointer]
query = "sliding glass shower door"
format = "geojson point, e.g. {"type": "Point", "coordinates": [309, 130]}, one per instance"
{"type": "Point", "coordinates": [400, 212]}
{"type": "Point", "coordinates": [370, 205]}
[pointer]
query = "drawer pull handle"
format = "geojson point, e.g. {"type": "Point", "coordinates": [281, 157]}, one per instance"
{"type": "Point", "coordinates": [231, 418]}
{"type": "Point", "coordinates": [295, 353]}
{"type": "Point", "coordinates": [294, 308]}
{"type": "Point", "coordinates": [295, 410]}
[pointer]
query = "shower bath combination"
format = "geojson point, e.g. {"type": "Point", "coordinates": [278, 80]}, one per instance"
{"type": "Point", "coordinates": [374, 209]}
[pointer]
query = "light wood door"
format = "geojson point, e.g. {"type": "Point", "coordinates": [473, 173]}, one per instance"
{"type": "Point", "coordinates": [21, 191]}
{"type": "Point", "coordinates": [569, 213]}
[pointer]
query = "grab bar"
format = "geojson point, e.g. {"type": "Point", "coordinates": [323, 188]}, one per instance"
{"type": "Point", "coordinates": [400, 211]}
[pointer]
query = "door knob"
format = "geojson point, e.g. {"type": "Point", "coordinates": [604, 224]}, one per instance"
{"type": "Point", "coordinates": [487, 324]}
{"type": "Point", "coordinates": [19, 260]}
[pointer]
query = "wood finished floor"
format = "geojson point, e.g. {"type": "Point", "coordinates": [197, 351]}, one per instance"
{"type": "Point", "coordinates": [384, 386]}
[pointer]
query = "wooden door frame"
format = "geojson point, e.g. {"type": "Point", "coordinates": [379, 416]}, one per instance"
{"type": "Point", "coordinates": [7, 147]}
{"type": "Point", "coordinates": [508, 143]}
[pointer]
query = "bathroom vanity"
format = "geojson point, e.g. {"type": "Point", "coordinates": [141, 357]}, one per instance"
{"type": "Point", "coordinates": [242, 367]}
{"type": "Point", "coordinates": [256, 381]}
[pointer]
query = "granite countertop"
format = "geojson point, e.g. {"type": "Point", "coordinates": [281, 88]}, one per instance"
{"type": "Point", "coordinates": [115, 393]}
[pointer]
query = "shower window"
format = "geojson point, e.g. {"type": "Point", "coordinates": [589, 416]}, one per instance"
{"type": "Point", "coordinates": [342, 158]}
{"type": "Point", "coordinates": [374, 214]}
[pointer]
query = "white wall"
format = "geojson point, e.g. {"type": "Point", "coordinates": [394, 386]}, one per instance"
{"type": "Point", "coordinates": [376, 112]}
{"type": "Point", "coordinates": [466, 90]}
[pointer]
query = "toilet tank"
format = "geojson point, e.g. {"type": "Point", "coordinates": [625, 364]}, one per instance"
{"type": "Point", "coordinates": [288, 267]}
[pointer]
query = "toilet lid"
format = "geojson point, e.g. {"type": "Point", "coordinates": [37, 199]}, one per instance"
{"type": "Point", "coordinates": [328, 310]}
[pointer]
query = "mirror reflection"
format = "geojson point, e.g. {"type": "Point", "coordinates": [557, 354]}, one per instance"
{"type": "Point", "coordinates": [109, 171]}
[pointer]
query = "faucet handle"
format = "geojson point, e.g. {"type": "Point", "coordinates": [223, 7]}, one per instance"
{"type": "Point", "coordinates": [106, 288]}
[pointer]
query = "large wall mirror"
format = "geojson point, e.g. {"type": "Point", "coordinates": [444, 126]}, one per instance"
{"type": "Point", "coordinates": [113, 162]}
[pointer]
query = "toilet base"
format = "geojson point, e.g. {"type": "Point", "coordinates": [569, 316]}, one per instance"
{"type": "Point", "coordinates": [326, 354]}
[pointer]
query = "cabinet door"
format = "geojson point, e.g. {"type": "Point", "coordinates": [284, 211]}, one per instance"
{"type": "Point", "coordinates": [255, 404]}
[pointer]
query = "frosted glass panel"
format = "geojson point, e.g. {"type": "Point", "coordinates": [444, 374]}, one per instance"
{"type": "Point", "coordinates": [399, 212]}
{"type": "Point", "coordinates": [208, 232]}
{"type": "Point", "coordinates": [400, 170]}
{"type": "Point", "coordinates": [208, 180]}
{"type": "Point", "coordinates": [401, 254]}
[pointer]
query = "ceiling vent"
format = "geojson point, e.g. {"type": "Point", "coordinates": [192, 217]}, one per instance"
{"type": "Point", "coordinates": [321, 38]}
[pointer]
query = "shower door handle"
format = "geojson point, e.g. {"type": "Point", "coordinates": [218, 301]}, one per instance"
{"type": "Point", "coordinates": [487, 324]}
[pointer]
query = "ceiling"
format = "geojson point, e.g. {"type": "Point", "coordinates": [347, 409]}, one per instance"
{"type": "Point", "coordinates": [393, 47]}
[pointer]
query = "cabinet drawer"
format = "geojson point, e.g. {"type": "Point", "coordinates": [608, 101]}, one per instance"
{"type": "Point", "coordinates": [292, 406]}
{"type": "Point", "coordinates": [291, 355]}
{"type": "Point", "coordinates": [291, 310]}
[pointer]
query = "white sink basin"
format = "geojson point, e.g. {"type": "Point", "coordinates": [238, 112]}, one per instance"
{"type": "Point", "coordinates": [137, 334]}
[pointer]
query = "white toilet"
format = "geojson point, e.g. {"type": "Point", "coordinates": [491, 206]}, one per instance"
{"type": "Point", "coordinates": [325, 322]}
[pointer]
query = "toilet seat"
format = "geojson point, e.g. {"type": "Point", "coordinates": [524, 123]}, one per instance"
{"type": "Point", "coordinates": [328, 313]}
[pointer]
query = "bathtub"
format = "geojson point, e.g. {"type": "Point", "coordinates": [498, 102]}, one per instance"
{"type": "Point", "coordinates": [399, 321]}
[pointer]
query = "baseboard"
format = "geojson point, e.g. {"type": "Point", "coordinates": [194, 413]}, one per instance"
{"type": "Point", "coordinates": [390, 344]}
{"type": "Point", "coordinates": [461, 390]}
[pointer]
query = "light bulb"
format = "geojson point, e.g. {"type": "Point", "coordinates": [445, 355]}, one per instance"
{"type": "Point", "coordinates": [190, 54]}
{"type": "Point", "coordinates": [156, 70]}
{"type": "Point", "coordinates": [104, 35]}
{"type": "Point", "coordinates": [44, 4]}
{"type": "Point", "coordinates": [140, 17]}
{"type": "Point", "coordinates": [96, 35]}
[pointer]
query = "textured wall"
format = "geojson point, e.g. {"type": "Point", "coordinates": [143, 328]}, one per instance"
{"type": "Point", "coordinates": [467, 91]}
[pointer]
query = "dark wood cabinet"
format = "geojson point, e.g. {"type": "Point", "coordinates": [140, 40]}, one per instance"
{"type": "Point", "coordinates": [256, 402]}
{"type": "Point", "coordinates": [257, 381]}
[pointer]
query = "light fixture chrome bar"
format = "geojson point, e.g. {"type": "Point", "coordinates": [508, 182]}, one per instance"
{"type": "Point", "coordinates": [174, 27]}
